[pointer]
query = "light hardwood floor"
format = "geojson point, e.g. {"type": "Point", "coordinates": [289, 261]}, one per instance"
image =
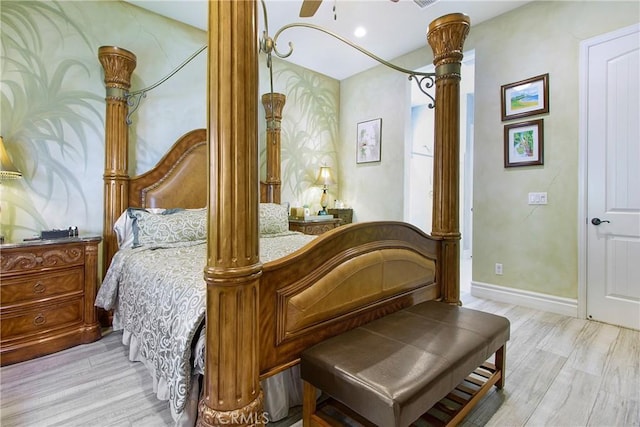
{"type": "Point", "coordinates": [561, 372]}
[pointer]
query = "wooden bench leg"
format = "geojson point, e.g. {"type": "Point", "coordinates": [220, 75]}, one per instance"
{"type": "Point", "coordinates": [308, 403]}
{"type": "Point", "coordinates": [494, 375]}
{"type": "Point", "coordinates": [501, 356]}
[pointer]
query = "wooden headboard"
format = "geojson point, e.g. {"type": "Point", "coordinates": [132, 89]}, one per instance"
{"type": "Point", "coordinates": [179, 180]}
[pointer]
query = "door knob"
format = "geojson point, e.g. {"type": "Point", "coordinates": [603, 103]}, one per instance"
{"type": "Point", "coordinates": [597, 221]}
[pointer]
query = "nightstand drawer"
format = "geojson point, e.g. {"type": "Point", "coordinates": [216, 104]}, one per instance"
{"type": "Point", "coordinates": [317, 228]}
{"type": "Point", "coordinates": [313, 227]}
{"type": "Point", "coordinates": [43, 318]}
{"type": "Point", "coordinates": [21, 261]}
{"type": "Point", "coordinates": [33, 287]}
{"type": "Point", "coordinates": [345, 214]}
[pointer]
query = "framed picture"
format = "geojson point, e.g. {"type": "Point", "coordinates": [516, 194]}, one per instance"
{"type": "Point", "coordinates": [525, 98]}
{"type": "Point", "coordinates": [523, 144]}
{"type": "Point", "coordinates": [368, 141]}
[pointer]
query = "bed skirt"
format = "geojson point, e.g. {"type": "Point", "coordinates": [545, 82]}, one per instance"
{"type": "Point", "coordinates": [281, 391]}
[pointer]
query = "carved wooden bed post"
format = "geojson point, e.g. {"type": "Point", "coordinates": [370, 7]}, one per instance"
{"type": "Point", "coordinates": [232, 393]}
{"type": "Point", "coordinates": [273, 104]}
{"type": "Point", "coordinates": [118, 66]}
{"type": "Point", "coordinates": [446, 37]}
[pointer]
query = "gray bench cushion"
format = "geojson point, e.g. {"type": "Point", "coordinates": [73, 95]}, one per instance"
{"type": "Point", "coordinates": [392, 370]}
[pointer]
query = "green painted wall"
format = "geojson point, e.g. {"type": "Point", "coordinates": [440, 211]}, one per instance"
{"type": "Point", "coordinates": [374, 190]}
{"type": "Point", "coordinates": [309, 131]}
{"type": "Point", "coordinates": [53, 108]}
{"type": "Point", "coordinates": [53, 104]}
{"type": "Point", "coordinates": [537, 245]}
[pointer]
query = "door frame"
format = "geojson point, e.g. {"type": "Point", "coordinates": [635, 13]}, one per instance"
{"type": "Point", "coordinates": [583, 220]}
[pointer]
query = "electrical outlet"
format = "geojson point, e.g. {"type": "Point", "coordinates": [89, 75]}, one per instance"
{"type": "Point", "coordinates": [499, 269]}
{"type": "Point", "coordinates": [539, 198]}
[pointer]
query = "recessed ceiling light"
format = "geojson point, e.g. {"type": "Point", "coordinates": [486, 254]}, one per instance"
{"type": "Point", "coordinates": [360, 32]}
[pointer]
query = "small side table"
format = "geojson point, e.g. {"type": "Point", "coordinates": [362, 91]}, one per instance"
{"type": "Point", "coordinates": [313, 226]}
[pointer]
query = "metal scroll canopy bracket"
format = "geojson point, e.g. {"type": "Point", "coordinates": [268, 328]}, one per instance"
{"type": "Point", "coordinates": [267, 46]}
{"type": "Point", "coordinates": [134, 98]}
{"type": "Point", "coordinates": [425, 81]}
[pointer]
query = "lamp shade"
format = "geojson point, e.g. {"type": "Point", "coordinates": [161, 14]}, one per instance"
{"type": "Point", "coordinates": [325, 177]}
{"type": "Point", "coordinates": [7, 170]}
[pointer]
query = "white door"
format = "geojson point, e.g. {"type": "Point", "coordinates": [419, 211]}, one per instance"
{"type": "Point", "coordinates": [612, 62]}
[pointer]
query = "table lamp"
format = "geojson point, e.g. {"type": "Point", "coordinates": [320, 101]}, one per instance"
{"type": "Point", "coordinates": [7, 170]}
{"type": "Point", "coordinates": [325, 178]}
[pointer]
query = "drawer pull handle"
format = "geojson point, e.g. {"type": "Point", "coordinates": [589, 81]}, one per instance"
{"type": "Point", "coordinates": [39, 320]}
{"type": "Point", "coordinates": [39, 288]}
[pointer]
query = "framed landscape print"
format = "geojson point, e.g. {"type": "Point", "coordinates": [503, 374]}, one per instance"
{"type": "Point", "coordinates": [523, 144]}
{"type": "Point", "coordinates": [368, 141]}
{"type": "Point", "coordinates": [525, 98]}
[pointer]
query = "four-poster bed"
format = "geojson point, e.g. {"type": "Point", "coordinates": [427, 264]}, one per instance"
{"type": "Point", "coordinates": [261, 316]}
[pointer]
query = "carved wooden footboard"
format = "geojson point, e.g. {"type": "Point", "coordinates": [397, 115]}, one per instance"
{"type": "Point", "coordinates": [345, 278]}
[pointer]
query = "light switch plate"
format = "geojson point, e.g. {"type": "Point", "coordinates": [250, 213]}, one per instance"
{"type": "Point", "coordinates": [538, 198]}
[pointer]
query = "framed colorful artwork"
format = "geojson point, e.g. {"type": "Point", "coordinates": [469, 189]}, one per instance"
{"type": "Point", "coordinates": [524, 144]}
{"type": "Point", "coordinates": [368, 141]}
{"type": "Point", "coordinates": [525, 98]}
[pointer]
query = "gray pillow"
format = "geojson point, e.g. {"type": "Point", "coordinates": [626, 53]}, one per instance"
{"type": "Point", "coordinates": [170, 226]}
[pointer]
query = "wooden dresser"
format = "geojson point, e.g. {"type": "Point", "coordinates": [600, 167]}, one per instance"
{"type": "Point", "coordinates": [313, 227]}
{"type": "Point", "coordinates": [47, 291]}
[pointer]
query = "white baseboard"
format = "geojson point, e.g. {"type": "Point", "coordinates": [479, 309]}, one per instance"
{"type": "Point", "coordinates": [535, 300]}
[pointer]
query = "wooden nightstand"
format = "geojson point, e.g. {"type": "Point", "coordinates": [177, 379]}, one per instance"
{"type": "Point", "coordinates": [313, 226]}
{"type": "Point", "coordinates": [47, 291]}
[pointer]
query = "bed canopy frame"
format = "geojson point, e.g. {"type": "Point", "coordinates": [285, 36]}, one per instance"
{"type": "Point", "coordinates": [240, 302]}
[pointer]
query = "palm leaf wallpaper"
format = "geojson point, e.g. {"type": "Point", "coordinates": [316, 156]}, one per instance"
{"type": "Point", "coordinates": [52, 105]}
{"type": "Point", "coordinates": [309, 132]}
{"type": "Point", "coordinates": [44, 122]}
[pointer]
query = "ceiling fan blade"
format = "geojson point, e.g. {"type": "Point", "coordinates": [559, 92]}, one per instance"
{"type": "Point", "coordinates": [309, 8]}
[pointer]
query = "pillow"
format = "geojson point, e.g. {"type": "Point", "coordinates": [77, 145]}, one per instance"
{"type": "Point", "coordinates": [273, 218]}
{"type": "Point", "coordinates": [169, 226]}
{"type": "Point", "coordinates": [123, 227]}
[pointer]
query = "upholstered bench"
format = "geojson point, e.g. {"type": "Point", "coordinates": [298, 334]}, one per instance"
{"type": "Point", "coordinates": [393, 370]}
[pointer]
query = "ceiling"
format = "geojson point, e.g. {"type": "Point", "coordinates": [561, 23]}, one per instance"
{"type": "Point", "coordinates": [393, 28]}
